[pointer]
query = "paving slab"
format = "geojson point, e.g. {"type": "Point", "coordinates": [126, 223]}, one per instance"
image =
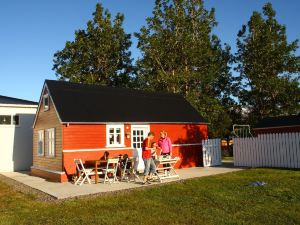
{"type": "Point", "coordinates": [69, 190]}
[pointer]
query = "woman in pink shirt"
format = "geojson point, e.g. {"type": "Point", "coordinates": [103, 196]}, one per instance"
{"type": "Point", "coordinates": [165, 144]}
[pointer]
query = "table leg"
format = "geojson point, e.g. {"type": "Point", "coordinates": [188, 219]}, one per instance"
{"type": "Point", "coordinates": [96, 173]}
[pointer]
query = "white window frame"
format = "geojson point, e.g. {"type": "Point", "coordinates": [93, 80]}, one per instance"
{"type": "Point", "coordinates": [41, 137]}
{"type": "Point", "coordinates": [50, 142]}
{"type": "Point", "coordinates": [46, 96]}
{"type": "Point", "coordinates": [115, 126]}
{"type": "Point", "coordinates": [11, 120]}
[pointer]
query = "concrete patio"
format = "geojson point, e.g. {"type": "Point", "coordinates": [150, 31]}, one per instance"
{"type": "Point", "coordinates": [69, 190]}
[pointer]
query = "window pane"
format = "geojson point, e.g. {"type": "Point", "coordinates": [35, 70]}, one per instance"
{"type": "Point", "coordinates": [134, 145]}
{"type": "Point", "coordinates": [40, 147]}
{"type": "Point", "coordinates": [111, 130]}
{"type": "Point", "coordinates": [118, 130]}
{"type": "Point", "coordinates": [142, 132]}
{"type": "Point", "coordinates": [134, 139]}
{"type": "Point", "coordinates": [5, 120]}
{"type": "Point", "coordinates": [138, 132]}
{"type": "Point", "coordinates": [118, 139]}
{"type": "Point", "coordinates": [16, 120]}
{"type": "Point", "coordinates": [138, 145]}
{"type": "Point", "coordinates": [134, 132]}
{"type": "Point", "coordinates": [111, 139]}
{"type": "Point", "coordinates": [46, 102]}
{"type": "Point", "coordinates": [138, 138]}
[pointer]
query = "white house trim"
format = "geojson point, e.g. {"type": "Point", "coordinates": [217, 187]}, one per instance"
{"type": "Point", "coordinates": [19, 106]}
{"type": "Point", "coordinates": [47, 170]}
{"type": "Point", "coordinates": [192, 144]}
{"type": "Point", "coordinates": [117, 149]}
{"type": "Point", "coordinates": [96, 149]}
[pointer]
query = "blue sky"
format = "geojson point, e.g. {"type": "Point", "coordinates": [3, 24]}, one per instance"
{"type": "Point", "coordinates": [33, 30]}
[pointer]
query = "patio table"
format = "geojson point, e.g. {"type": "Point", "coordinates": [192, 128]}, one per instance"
{"type": "Point", "coordinates": [170, 162]}
{"type": "Point", "coordinates": [96, 163]}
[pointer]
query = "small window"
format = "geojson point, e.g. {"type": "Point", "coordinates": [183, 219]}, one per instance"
{"type": "Point", "coordinates": [51, 142]}
{"type": "Point", "coordinates": [46, 102]}
{"type": "Point", "coordinates": [115, 135]}
{"type": "Point", "coordinates": [40, 142]}
{"type": "Point", "coordinates": [16, 120]}
{"type": "Point", "coordinates": [5, 119]}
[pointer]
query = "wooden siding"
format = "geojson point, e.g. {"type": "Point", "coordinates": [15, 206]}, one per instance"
{"type": "Point", "coordinates": [46, 120]}
{"type": "Point", "coordinates": [181, 135]}
{"type": "Point", "coordinates": [275, 130]}
{"type": "Point", "coordinates": [87, 136]}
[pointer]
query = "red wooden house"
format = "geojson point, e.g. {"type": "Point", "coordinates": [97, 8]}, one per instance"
{"type": "Point", "coordinates": [279, 124]}
{"type": "Point", "coordinates": [84, 121]}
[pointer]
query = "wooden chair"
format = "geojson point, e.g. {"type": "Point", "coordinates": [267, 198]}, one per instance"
{"type": "Point", "coordinates": [111, 168]}
{"type": "Point", "coordinates": [83, 172]}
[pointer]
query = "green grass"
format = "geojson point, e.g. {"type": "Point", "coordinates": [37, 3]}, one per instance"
{"type": "Point", "coordinates": [222, 199]}
{"type": "Point", "coordinates": [227, 157]}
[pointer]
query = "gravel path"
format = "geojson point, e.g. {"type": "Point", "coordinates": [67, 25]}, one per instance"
{"type": "Point", "coordinates": [17, 186]}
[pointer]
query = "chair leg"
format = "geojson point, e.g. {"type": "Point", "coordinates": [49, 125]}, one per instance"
{"type": "Point", "coordinates": [78, 180]}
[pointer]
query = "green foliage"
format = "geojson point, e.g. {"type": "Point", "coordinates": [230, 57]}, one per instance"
{"type": "Point", "coordinates": [269, 69]}
{"type": "Point", "coordinates": [220, 199]}
{"type": "Point", "coordinates": [99, 54]}
{"type": "Point", "coordinates": [181, 55]}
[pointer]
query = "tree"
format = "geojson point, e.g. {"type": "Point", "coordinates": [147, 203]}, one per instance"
{"type": "Point", "coordinates": [268, 67]}
{"type": "Point", "coordinates": [181, 55]}
{"type": "Point", "coordinates": [98, 55]}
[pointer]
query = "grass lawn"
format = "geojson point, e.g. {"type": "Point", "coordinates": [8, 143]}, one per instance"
{"type": "Point", "coordinates": [227, 158]}
{"type": "Point", "coordinates": [222, 199]}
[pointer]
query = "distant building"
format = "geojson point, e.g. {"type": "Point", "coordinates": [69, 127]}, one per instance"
{"type": "Point", "coordinates": [280, 124]}
{"type": "Point", "coordinates": [16, 120]}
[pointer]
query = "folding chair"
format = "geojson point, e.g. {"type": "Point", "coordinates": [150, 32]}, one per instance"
{"type": "Point", "coordinates": [124, 168]}
{"type": "Point", "coordinates": [129, 172]}
{"type": "Point", "coordinates": [83, 172]}
{"type": "Point", "coordinates": [111, 168]}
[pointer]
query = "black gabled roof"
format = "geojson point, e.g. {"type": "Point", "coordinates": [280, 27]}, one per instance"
{"type": "Point", "coordinates": [15, 101]}
{"type": "Point", "coordinates": [280, 121]}
{"type": "Point", "coordinates": [80, 103]}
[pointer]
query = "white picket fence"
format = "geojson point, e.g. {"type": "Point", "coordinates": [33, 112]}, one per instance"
{"type": "Point", "coordinates": [211, 149]}
{"type": "Point", "coordinates": [268, 150]}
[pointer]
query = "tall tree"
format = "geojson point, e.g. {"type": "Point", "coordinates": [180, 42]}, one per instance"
{"type": "Point", "coordinates": [99, 54]}
{"type": "Point", "coordinates": [181, 55]}
{"type": "Point", "coordinates": [268, 67]}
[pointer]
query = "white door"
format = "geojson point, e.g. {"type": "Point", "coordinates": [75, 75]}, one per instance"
{"type": "Point", "coordinates": [138, 134]}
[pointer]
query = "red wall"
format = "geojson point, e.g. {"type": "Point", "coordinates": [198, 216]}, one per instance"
{"type": "Point", "coordinates": [76, 137]}
{"type": "Point", "coordinates": [277, 130]}
{"type": "Point", "coordinates": [190, 156]}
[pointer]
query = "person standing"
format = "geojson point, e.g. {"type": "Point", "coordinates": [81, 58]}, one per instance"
{"type": "Point", "coordinates": [165, 144]}
{"type": "Point", "coordinates": [150, 167]}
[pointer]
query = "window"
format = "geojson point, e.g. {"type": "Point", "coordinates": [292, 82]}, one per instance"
{"type": "Point", "coordinates": [16, 120]}
{"type": "Point", "coordinates": [9, 120]}
{"type": "Point", "coordinates": [41, 142]}
{"type": "Point", "coordinates": [51, 142]}
{"type": "Point", "coordinates": [5, 119]}
{"type": "Point", "coordinates": [115, 135]}
{"type": "Point", "coordinates": [46, 102]}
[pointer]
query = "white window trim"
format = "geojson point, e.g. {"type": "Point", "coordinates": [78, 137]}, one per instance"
{"type": "Point", "coordinates": [109, 126]}
{"type": "Point", "coordinates": [11, 120]}
{"type": "Point", "coordinates": [43, 146]}
{"type": "Point", "coordinates": [44, 97]}
{"type": "Point", "coordinates": [52, 155]}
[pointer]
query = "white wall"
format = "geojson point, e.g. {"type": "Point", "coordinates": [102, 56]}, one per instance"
{"type": "Point", "coordinates": [16, 141]}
